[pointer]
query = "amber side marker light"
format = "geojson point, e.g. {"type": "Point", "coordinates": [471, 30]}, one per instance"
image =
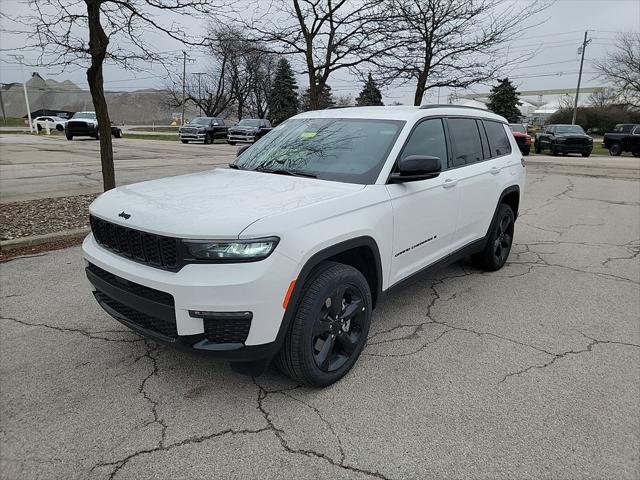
{"type": "Point", "coordinates": [287, 296]}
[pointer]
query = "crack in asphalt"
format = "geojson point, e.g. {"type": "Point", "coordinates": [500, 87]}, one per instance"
{"type": "Point", "coordinates": [91, 335]}
{"type": "Point", "coordinates": [557, 356]}
{"type": "Point", "coordinates": [151, 350]}
{"type": "Point", "coordinates": [280, 435]}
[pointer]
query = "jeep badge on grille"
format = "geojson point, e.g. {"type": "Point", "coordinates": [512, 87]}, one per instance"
{"type": "Point", "coordinates": [124, 215]}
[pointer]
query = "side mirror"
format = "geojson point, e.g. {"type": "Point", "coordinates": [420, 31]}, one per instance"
{"type": "Point", "coordinates": [416, 167]}
{"type": "Point", "coordinates": [241, 150]}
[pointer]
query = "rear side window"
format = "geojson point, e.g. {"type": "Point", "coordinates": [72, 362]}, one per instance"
{"type": "Point", "coordinates": [465, 139]}
{"type": "Point", "coordinates": [499, 144]}
{"type": "Point", "coordinates": [427, 139]}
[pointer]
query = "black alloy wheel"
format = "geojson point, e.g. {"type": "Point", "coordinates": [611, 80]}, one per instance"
{"type": "Point", "coordinates": [615, 150]}
{"type": "Point", "coordinates": [337, 331]}
{"type": "Point", "coordinates": [503, 239]}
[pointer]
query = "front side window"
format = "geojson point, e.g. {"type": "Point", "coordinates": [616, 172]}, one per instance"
{"type": "Point", "coordinates": [499, 144]}
{"type": "Point", "coordinates": [202, 121]}
{"type": "Point", "coordinates": [348, 150]}
{"type": "Point", "coordinates": [465, 140]}
{"type": "Point", "coordinates": [427, 139]}
{"type": "Point", "coordinates": [249, 122]}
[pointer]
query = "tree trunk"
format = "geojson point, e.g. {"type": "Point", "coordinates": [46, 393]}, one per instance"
{"type": "Point", "coordinates": [420, 89]}
{"type": "Point", "coordinates": [98, 42]}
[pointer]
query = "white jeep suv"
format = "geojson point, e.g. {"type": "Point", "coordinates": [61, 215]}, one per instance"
{"type": "Point", "coordinates": [284, 255]}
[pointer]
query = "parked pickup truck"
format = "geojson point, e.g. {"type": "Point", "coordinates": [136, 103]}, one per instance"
{"type": "Point", "coordinates": [203, 129]}
{"type": "Point", "coordinates": [248, 130]}
{"type": "Point", "coordinates": [564, 139]}
{"type": "Point", "coordinates": [523, 139]}
{"type": "Point", "coordinates": [624, 138]}
{"type": "Point", "coordinates": [85, 124]}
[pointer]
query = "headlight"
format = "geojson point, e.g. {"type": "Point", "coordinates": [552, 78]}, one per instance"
{"type": "Point", "coordinates": [231, 250]}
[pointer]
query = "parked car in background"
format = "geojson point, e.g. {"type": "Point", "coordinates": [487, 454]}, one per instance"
{"type": "Point", "coordinates": [54, 123]}
{"type": "Point", "coordinates": [625, 137]}
{"type": "Point", "coordinates": [203, 129]}
{"type": "Point", "coordinates": [85, 124]}
{"type": "Point", "coordinates": [523, 139]}
{"type": "Point", "coordinates": [284, 254]}
{"type": "Point", "coordinates": [248, 130]}
{"type": "Point", "coordinates": [564, 139]}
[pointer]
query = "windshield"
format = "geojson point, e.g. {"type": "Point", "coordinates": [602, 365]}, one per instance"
{"type": "Point", "coordinates": [89, 115]}
{"type": "Point", "coordinates": [568, 129]}
{"type": "Point", "coordinates": [516, 127]}
{"type": "Point", "coordinates": [249, 122]}
{"type": "Point", "coordinates": [200, 121]}
{"type": "Point", "coordinates": [340, 149]}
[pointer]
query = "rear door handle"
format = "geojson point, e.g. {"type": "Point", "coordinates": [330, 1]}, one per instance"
{"type": "Point", "coordinates": [495, 170]}
{"type": "Point", "coordinates": [449, 183]}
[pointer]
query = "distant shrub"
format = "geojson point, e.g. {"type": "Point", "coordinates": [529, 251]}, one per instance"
{"type": "Point", "coordinates": [596, 119]}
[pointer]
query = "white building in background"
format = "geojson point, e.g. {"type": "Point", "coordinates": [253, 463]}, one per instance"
{"type": "Point", "coordinates": [537, 105]}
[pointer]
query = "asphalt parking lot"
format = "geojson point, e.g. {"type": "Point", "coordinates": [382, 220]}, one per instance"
{"type": "Point", "coordinates": [528, 372]}
{"type": "Point", "coordinates": [42, 167]}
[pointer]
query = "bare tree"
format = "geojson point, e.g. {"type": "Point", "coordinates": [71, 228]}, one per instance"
{"type": "Point", "coordinates": [328, 35]}
{"type": "Point", "coordinates": [622, 67]}
{"type": "Point", "coordinates": [449, 43]}
{"type": "Point", "coordinates": [117, 33]}
{"type": "Point", "coordinates": [603, 98]}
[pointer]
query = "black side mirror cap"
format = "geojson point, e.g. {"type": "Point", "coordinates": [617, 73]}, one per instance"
{"type": "Point", "coordinates": [416, 167]}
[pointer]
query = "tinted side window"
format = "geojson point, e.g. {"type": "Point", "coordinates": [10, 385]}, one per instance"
{"type": "Point", "coordinates": [626, 128]}
{"type": "Point", "coordinates": [499, 144]}
{"type": "Point", "coordinates": [465, 139]}
{"type": "Point", "coordinates": [427, 139]}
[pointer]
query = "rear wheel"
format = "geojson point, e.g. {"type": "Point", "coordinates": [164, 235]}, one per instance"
{"type": "Point", "coordinates": [615, 150]}
{"type": "Point", "coordinates": [496, 252]}
{"type": "Point", "coordinates": [330, 326]}
{"type": "Point", "coordinates": [39, 127]}
{"type": "Point", "coordinates": [59, 128]}
{"type": "Point", "coordinates": [117, 133]}
{"type": "Point", "coordinates": [69, 136]}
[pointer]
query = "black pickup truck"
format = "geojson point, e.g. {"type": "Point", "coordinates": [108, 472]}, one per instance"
{"type": "Point", "coordinates": [564, 139]}
{"type": "Point", "coordinates": [624, 138]}
{"type": "Point", "coordinates": [248, 130]}
{"type": "Point", "coordinates": [203, 129]}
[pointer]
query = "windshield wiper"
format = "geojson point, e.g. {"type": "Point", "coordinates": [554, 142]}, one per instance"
{"type": "Point", "coordinates": [283, 171]}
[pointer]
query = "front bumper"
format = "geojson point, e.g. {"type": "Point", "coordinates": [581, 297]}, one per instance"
{"type": "Point", "coordinates": [564, 148]}
{"type": "Point", "coordinates": [250, 138]}
{"type": "Point", "coordinates": [193, 136]}
{"type": "Point", "coordinates": [138, 296]}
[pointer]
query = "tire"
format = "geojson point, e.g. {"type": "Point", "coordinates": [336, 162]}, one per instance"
{"type": "Point", "coordinates": [554, 152]}
{"type": "Point", "coordinates": [97, 135]}
{"type": "Point", "coordinates": [38, 127]}
{"type": "Point", "coordinates": [117, 133]}
{"type": "Point", "coordinates": [69, 136]}
{"type": "Point", "coordinates": [59, 128]}
{"type": "Point", "coordinates": [319, 350]}
{"type": "Point", "coordinates": [184, 141]}
{"type": "Point", "coordinates": [231, 143]}
{"type": "Point", "coordinates": [615, 150]}
{"type": "Point", "coordinates": [636, 153]}
{"type": "Point", "coordinates": [538, 149]}
{"type": "Point", "coordinates": [586, 154]}
{"type": "Point", "coordinates": [208, 139]}
{"type": "Point", "coordinates": [499, 243]}
{"type": "Point", "coordinates": [526, 152]}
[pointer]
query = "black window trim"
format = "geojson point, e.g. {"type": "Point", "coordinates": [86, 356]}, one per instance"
{"type": "Point", "coordinates": [442, 118]}
{"type": "Point", "coordinates": [453, 167]}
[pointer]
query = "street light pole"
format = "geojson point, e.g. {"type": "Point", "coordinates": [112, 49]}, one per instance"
{"type": "Point", "coordinates": [20, 58]}
{"type": "Point", "coordinates": [184, 81]}
{"type": "Point", "coordinates": [585, 42]}
{"type": "Point", "coordinates": [199, 74]}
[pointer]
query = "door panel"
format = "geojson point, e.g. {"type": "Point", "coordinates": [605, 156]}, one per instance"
{"type": "Point", "coordinates": [425, 212]}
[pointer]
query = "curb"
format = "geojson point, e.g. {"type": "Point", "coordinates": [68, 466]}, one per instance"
{"type": "Point", "coordinates": [15, 243]}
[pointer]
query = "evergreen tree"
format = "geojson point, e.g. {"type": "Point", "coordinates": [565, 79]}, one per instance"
{"type": "Point", "coordinates": [283, 98]}
{"type": "Point", "coordinates": [325, 100]}
{"type": "Point", "coordinates": [504, 100]}
{"type": "Point", "coordinates": [370, 94]}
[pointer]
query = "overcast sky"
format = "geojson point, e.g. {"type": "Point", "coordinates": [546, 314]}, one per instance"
{"type": "Point", "coordinates": [555, 66]}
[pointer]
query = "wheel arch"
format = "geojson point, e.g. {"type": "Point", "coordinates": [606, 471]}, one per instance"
{"type": "Point", "coordinates": [510, 196]}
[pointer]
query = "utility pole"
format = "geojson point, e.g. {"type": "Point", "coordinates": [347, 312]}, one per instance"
{"type": "Point", "coordinates": [199, 74]}
{"type": "Point", "coordinates": [184, 81]}
{"type": "Point", "coordinates": [585, 42]}
{"type": "Point", "coordinates": [20, 58]}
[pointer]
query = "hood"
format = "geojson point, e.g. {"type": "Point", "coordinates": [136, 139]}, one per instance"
{"type": "Point", "coordinates": [520, 134]}
{"type": "Point", "coordinates": [218, 203]}
{"type": "Point", "coordinates": [572, 135]}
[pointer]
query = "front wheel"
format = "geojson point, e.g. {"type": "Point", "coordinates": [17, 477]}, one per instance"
{"type": "Point", "coordinates": [117, 133]}
{"type": "Point", "coordinates": [615, 150]}
{"type": "Point", "coordinates": [69, 136]}
{"type": "Point", "coordinates": [208, 139]}
{"type": "Point", "coordinates": [498, 246]}
{"type": "Point", "coordinates": [586, 154]}
{"type": "Point", "coordinates": [538, 149]}
{"type": "Point", "coordinates": [184, 141]}
{"type": "Point", "coordinates": [231, 143]}
{"type": "Point", "coordinates": [330, 326]}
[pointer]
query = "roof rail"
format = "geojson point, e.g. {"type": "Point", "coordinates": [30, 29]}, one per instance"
{"type": "Point", "coordinates": [447, 105]}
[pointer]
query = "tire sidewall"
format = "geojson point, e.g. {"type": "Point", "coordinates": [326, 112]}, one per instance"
{"type": "Point", "coordinates": [492, 262]}
{"type": "Point", "coordinates": [615, 150]}
{"type": "Point", "coordinates": [311, 304]}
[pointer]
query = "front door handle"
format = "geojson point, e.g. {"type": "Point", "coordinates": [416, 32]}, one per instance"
{"type": "Point", "coordinates": [449, 183]}
{"type": "Point", "coordinates": [495, 170]}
